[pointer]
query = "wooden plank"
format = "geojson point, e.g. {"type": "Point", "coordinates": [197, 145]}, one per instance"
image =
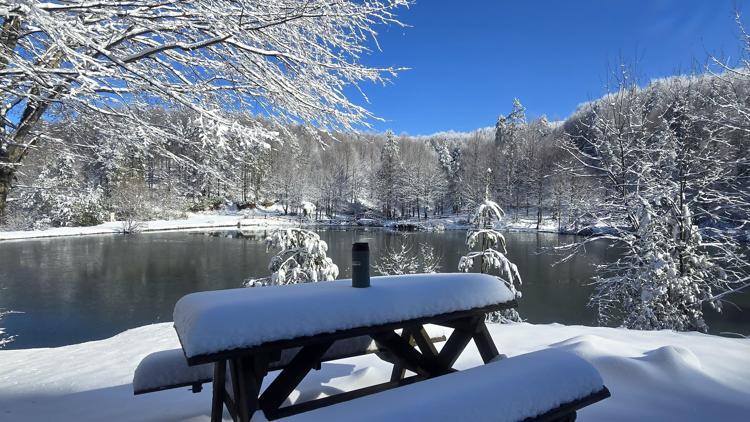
{"type": "Point", "coordinates": [309, 356]}
{"type": "Point", "coordinates": [456, 344]}
{"type": "Point", "coordinates": [237, 393]}
{"type": "Point", "coordinates": [254, 369]}
{"type": "Point", "coordinates": [231, 407]}
{"type": "Point", "coordinates": [424, 342]}
{"type": "Point", "coordinates": [564, 410]}
{"type": "Point", "coordinates": [275, 365]}
{"type": "Point", "coordinates": [485, 344]}
{"type": "Point", "coordinates": [399, 371]}
{"type": "Point", "coordinates": [338, 335]}
{"type": "Point", "coordinates": [339, 398]}
{"type": "Point", "coordinates": [217, 401]}
{"type": "Point", "coordinates": [408, 356]}
{"type": "Point", "coordinates": [173, 386]}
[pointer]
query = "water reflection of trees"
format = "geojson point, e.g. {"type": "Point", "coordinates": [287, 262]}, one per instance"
{"type": "Point", "coordinates": [75, 289]}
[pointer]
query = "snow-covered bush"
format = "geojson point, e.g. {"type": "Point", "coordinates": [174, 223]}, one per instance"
{"type": "Point", "coordinates": [665, 276]}
{"type": "Point", "coordinates": [4, 338]}
{"type": "Point", "coordinates": [206, 204]}
{"type": "Point", "coordinates": [408, 259]}
{"type": "Point", "coordinates": [301, 258]}
{"type": "Point", "coordinates": [59, 198]}
{"type": "Point", "coordinates": [666, 161]}
{"type": "Point", "coordinates": [491, 253]}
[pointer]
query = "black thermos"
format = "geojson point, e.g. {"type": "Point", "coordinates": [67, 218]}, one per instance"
{"type": "Point", "coordinates": [361, 264]}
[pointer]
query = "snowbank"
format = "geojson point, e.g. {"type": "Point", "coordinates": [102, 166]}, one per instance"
{"type": "Point", "coordinates": [194, 221]}
{"type": "Point", "coordinates": [653, 376]}
{"type": "Point", "coordinates": [251, 219]}
{"type": "Point", "coordinates": [497, 392]}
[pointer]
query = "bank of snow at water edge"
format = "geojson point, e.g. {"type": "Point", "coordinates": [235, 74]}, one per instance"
{"type": "Point", "coordinates": [193, 221]}
{"type": "Point", "coordinates": [653, 376]}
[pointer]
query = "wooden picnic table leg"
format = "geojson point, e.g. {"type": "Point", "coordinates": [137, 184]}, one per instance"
{"type": "Point", "coordinates": [219, 390]}
{"type": "Point", "coordinates": [484, 342]}
{"type": "Point", "coordinates": [399, 371]}
{"type": "Point", "coordinates": [241, 408]}
{"type": "Point", "coordinates": [463, 333]}
{"type": "Point", "coordinates": [247, 375]}
{"type": "Point", "coordinates": [289, 378]}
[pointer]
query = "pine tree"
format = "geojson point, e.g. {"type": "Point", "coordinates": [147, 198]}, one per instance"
{"type": "Point", "coordinates": [491, 255]}
{"type": "Point", "coordinates": [301, 258]}
{"type": "Point", "coordinates": [409, 258]}
{"type": "Point", "coordinates": [388, 176]}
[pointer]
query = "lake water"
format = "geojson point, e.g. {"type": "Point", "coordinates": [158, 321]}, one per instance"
{"type": "Point", "coordinates": [76, 289]}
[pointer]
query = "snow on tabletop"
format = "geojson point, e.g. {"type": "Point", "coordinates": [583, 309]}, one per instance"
{"type": "Point", "coordinates": [505, 390]}
{"type": "Point", "coordinates": [214, 321]}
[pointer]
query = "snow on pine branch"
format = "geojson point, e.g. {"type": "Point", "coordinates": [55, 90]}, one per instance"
{"type": "Point", "coordinates": [301, 258]}
{"type": "Point", "coordinates": [672, 189]}
{"type": "Point", "coordinates": [493, 259]}
{"type": "Point", "coordinates": [491, 256]}
{"type": "Point", "coordinates": [408, 258]}
{"type": "Point", "coordinates": [487, 212]}
{"type": "Point", "coordinates": [4, 338]}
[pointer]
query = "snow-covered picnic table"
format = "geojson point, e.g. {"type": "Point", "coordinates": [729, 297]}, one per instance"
{"type": "Point", "coordinates": [242, 331]}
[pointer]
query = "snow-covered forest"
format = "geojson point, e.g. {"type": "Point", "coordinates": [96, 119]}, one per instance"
{"type": "Point", "coordinates": [91, 171]}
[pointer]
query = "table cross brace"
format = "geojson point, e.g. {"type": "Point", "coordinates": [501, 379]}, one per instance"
{"type": "Point", "coordinates": [247, 373]}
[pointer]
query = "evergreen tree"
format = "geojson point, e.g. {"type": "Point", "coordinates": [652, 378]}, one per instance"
{"type": "Point", "coordinates": [491, 255]}
{"type": "Point", "coordinates": [301, 258]}
{"type": "Point", "coordinates": [388, 176]}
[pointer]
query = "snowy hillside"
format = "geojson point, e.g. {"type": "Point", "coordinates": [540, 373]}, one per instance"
{"type": "Point", "coordinates": [653, 376]}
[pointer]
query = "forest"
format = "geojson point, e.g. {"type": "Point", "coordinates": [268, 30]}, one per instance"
{"type": "Point", "coordinates": [540, 169]}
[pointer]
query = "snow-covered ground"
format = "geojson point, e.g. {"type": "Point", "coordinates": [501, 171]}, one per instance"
{"type": "Point", "coordinates": [653, 376]}
{"type": "Point", "coordinates": [249, 220]}
{"type": "Point", "coordinates": [194, 221]}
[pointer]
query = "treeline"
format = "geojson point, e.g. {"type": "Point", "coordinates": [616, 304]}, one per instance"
{"type": "Point", "coordinates": [174, 169]}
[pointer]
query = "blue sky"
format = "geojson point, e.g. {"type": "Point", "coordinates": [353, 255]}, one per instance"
{"type": "Point", "coordinates": [469, 58]}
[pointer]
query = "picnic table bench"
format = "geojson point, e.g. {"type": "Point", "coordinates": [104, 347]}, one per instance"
{"type": "Point", "coordinates": [168, 369]}
{"type": "Point", "coordinates": [244, 333]}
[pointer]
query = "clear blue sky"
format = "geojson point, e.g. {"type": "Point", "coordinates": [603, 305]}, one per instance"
{"type": "Point", "coordinates": [469, 58]}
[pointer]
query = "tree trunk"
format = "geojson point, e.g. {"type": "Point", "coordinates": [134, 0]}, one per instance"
{"type": "Point", "coordinates": [538, 217]}
{"type": "Point", "coordinates": [6, 180]}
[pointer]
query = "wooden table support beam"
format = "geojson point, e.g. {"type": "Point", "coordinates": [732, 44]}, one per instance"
{"type": "Point", "coordinates": [411, 350]}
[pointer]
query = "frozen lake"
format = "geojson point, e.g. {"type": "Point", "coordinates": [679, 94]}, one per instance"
{"type": "Point", "coordinates": [76, 289]}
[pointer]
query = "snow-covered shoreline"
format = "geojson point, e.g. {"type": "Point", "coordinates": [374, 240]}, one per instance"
{"type": "Point", "coordinates": [653, 375]}
{"type": "Point", "coordinates": [204, 221]}
{"type": "Point", "coordinates": [193, 222]}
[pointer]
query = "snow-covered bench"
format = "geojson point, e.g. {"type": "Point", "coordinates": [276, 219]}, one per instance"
{"type": "Point", "coordinates": [168, 369]}
{"type": "Point", "coordinates": [548, 385]}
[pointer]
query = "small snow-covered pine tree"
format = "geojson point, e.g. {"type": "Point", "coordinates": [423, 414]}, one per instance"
{"type": "Point", "coordinates": [388, 176]}
{"type": "Point", "coordinates": [491, 255]}
{"type": "Point", "coordinates": [408, 259]}
{"type": "Point", "coordinates": [301, 258]}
